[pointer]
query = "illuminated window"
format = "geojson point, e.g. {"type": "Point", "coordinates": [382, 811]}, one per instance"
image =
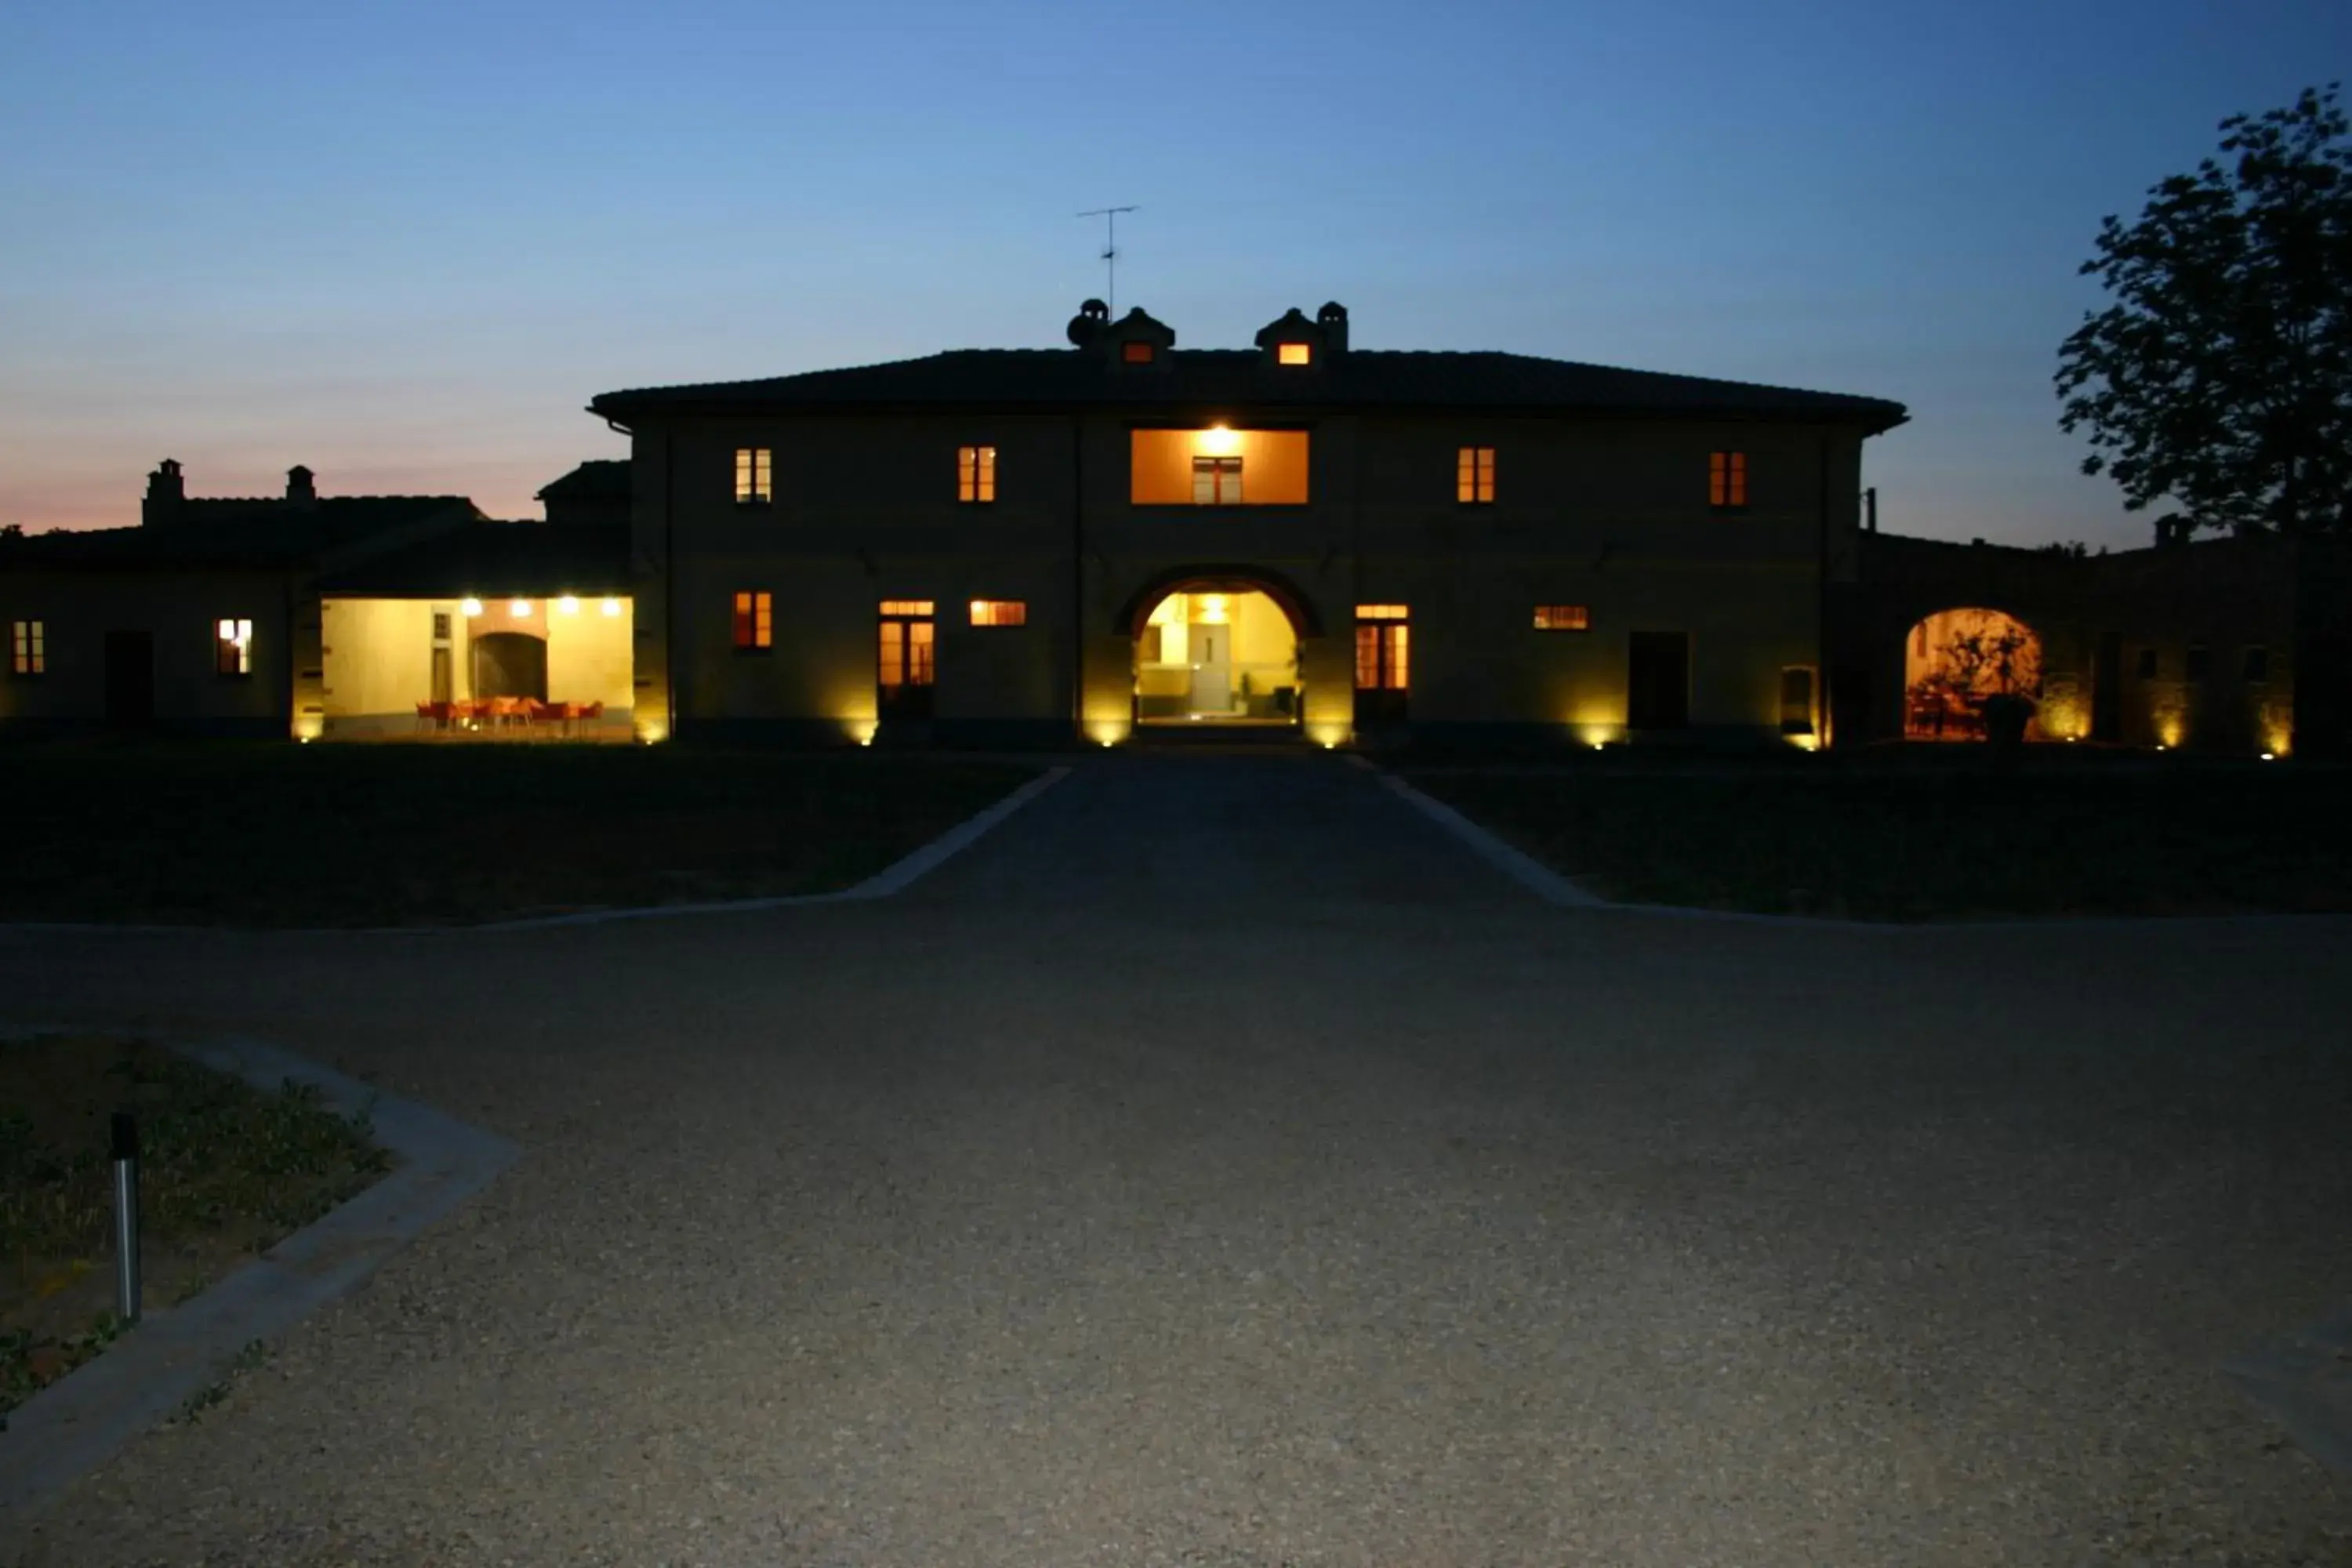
{"type": "Point", "coordinates": [2257, 669]}
{"type": "Point", "coordinates": [1295, 353]}
{"type": "Point", "coordinates": [976, 474]}
{"type": "Point", "coordinates": [29, 648]}
{"type": "Point", "coordinates": [1563, 618]}
{"type": "Point", "coordinates": [919, 608]}
{"type": "Point", "coordinates": [1382, 613]}
{"type": "Point", "coordinates": [1136, 353]}
{"type": "Point", "coordinates": [1727, 478]}
{"type": "Point", "coordinates": [1474, 476]}
{"type": "Point", "coordinates": [753, 476]}
{"type": "Point", "coordinates": [999, 611]}
{"type": "Point", "coordinates": [233, 647]}
{"type": "Point", "coordinates": [1382, 650]}
{"type": "Point", "coordinates": [755, 622]}
{"type": "Point", "coordinates": [2201, 662]}
{"type": "Point", "coordinates": [1216, 482]}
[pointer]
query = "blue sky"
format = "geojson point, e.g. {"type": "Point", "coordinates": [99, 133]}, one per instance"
{"type": "Point", "coordinates": [405, 244]}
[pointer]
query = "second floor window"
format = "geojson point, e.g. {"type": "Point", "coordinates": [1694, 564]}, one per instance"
{"type": "Point", "coordinates": [1727, 478]}
{"type": "Point", "coordinates": [29, 648]}
{"type": "Point", "coordinates": [1474, 476]}
{"type": "Point", "coordinates": [755, 622]}
{"type": "Point", "coordinates": [1216, 482]}
{"type": "Point", "coordinates": [753, 479]}
{"type": "Point", "coordinates": [999, 611]}
{"type": "Point", "coordinates": [233, 647]}
{"type": "Point", "coordinates": [1563, 618]}
{"type": "Point", "coordinates": [976, 474]}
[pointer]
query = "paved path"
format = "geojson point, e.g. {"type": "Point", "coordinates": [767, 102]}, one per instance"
{"type": "Point", "coordinates": [1218, 1165]}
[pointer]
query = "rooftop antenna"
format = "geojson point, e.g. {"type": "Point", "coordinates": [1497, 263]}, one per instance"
{"type": "Point", "coordinates": [1110, 249]}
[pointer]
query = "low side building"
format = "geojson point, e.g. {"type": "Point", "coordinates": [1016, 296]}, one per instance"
{"type": "Point", "coordinates": [203, 619]}
{"type": "Point", "coordinates": [2238, 644]}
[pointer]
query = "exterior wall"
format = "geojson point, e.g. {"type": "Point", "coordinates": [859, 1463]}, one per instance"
{"type": "Point", "coordinates": [377, 655]}
{"type": "Point", "coordinates": [1613, 515]}
{"type": "Point", "coordinates": [179, 613]}
{"type": "Point", "coordinates": [589, 656]}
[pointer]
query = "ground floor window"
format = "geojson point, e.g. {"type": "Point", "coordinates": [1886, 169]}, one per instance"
{"type": "Point", "coordinates": [29, 648]}
{"type": "Point", "coordinates": [906, 665]}
{"type": "Point", "coordinates": [233, 647]}
{"type": "Point", "coordinates": [755, 622]}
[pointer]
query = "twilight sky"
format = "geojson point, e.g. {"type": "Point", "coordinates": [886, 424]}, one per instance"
{"type": "Point", "coordinates": [405, 244]}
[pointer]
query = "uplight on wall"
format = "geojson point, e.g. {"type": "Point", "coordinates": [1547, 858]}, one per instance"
{"type": "Point", "coordinates": [471, 606]}
{"type": "Point", "coordinates": [568, 604]}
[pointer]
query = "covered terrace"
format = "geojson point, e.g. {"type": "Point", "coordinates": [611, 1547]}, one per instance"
{"type": "Point", "coordinates": [492, 631]}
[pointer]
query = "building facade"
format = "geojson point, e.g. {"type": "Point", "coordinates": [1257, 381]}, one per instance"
{"type": "Point", "coordinates": [1029, 546]}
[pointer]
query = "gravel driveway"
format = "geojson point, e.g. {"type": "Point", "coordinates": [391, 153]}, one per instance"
{"type": "Point", "coordinates": [1218, 1165]}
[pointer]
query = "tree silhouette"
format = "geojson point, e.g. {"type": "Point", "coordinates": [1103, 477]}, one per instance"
{"type": "Point", "coordinates": [2222, 377]}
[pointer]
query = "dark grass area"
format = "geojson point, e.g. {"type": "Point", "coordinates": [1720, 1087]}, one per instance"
{"type": "Point", "coordinates": [225, 1171]}
{"type": "Point", "coordinates": [269, 834]}
{"type": "Point", "coordinates": [1928, 833]}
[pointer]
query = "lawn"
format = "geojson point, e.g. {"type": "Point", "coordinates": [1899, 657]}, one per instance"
{"type": "Point", "coordinates": [278, 835]}
{"type": "Point", "coordinates": [225, 1173]}
{"type": "Point", "coordinates": [1938, 835]}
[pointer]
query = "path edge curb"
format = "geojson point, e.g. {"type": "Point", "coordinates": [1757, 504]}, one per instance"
{"type": "Point", "coordinates": [84, 1420]}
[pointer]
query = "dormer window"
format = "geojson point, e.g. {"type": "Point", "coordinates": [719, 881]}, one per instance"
{"type": "Point", "coordinates": [1296, 353]}
{"type": "Point", "coordinates": [1136, 353]}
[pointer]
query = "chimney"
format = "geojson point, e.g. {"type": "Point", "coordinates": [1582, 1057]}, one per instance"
{"type": "Point", "coordinates": [165, 491]}
{"type": "Point", "coordinates": [300, 494]}
{"type": "Point", "coordinates": [1333, 319]}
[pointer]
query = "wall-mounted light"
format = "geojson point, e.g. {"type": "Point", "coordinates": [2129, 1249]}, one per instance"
{"type": "Point", "coordinates": [568, 604]}
{"type": "Point", "coordinates": [519, 608]}
{"type": "Point", "coordinates": [471, 606]}
{"type": "Point", "coordinates": [611, 606]}
{"type": "Point", "coordinates": [1219, 441]}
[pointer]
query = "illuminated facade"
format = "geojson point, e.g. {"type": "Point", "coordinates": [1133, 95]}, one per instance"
{"type": "Point", "coordinates": [1357, 545]}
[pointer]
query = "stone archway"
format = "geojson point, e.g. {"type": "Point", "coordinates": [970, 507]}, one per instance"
{"type": "Point", "coordinates": [1955, 658]}
{"type": "Point", "coordinates": [1218, 646]}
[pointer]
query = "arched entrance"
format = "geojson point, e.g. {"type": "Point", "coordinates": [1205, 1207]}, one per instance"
{"type": "Point", "coordinates": [510, 664]}
{"type": "Point", "coordinates": [1954, 661]}
{"type": "Point", "coordinates": [1218, 646]}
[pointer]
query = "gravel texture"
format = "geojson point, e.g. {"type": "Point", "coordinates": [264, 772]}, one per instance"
{"type": "Point", "coordinates": [1218, 1165]}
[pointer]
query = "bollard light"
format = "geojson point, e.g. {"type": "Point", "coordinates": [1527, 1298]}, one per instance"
{"type": "Point", "coordinates": [126, 1217]}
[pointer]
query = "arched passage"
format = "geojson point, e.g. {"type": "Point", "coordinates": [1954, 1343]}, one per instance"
{"type": "Point", "coordinates": [1955, 660]}
{"type": "Point", "coordinates": [1218, 645]}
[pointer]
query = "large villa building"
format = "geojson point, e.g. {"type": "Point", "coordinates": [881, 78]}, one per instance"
{"type": "Point", "coordinates": [1038, 547]}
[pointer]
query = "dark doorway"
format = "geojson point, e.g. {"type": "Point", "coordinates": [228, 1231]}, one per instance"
{"type": "Point", "coordinates": [510, 664]}
{"type": "Point", "coordinates": [1657, 682]}
{"type": "Point", "coordinates": [2107, 688]}
{"type": "Point", "coordinates": [2323, 695]}
{"type": "Point", "coordinates": [130, 678]}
